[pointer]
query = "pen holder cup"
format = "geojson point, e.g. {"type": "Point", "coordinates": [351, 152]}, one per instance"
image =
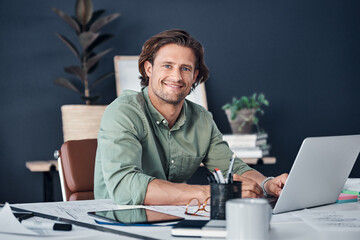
{"type": "Point", "coordinates": [220, 193]}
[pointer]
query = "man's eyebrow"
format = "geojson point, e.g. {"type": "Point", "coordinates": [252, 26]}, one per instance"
{"type": "Point", "coordinates": [167, 62]}
{"type": "Point", "coordinates": [188, 66]}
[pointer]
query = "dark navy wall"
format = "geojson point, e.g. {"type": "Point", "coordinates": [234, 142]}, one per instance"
{"type": "Point", "coordinates": [304, 55]}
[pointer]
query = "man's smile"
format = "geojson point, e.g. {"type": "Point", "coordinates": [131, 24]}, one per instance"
{"type": "Point", "coordinates": [173, 85]}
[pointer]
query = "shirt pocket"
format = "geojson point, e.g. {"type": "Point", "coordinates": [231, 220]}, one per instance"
{"type": "Point", "coordinates": [189, 165]}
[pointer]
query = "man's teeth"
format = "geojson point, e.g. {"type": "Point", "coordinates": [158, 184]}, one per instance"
{"type": "Point", "coordinates": [170, 85]}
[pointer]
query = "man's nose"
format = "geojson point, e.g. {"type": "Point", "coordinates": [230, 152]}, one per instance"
{"type": "Point", "coordinates": [176, 74]}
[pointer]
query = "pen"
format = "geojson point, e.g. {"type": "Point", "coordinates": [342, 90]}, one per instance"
{"type": "Point", "coordinates": [23, 216]}
{"type": "Point", "coordinates": [229, 175]}
{"type": "Point", "coordinates": [210, 177]}
{"type": "Point", "coordinates": [47, 225]}
{"type": "Point", "coordinates": [216, 177]}
{"type": "Point", "coordinates": [220, 176]}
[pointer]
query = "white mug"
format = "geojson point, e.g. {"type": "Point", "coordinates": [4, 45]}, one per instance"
{"type": "Point", "coordinates": [248, 218]}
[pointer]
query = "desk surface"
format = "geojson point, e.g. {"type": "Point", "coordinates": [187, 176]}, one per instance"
{"type": "Point", "coordinates": [283, 226]}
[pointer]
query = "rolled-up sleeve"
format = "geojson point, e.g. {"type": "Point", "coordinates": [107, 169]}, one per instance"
{"type": "Point", "coordinates": [118, 161]}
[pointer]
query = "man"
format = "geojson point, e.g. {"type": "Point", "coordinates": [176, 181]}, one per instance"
{"type": "Point", "coordinates": [151, 142]}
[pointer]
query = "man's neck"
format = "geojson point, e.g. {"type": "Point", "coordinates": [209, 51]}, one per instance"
{"type": "Point", "coordinates": [170, 112]}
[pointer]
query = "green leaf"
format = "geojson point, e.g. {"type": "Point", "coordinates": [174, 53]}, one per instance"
{"type": "Point", "coordinates": [77, 71]}
{"type": "Point", "coordinates": [71, 46]}
{"type": "Point", "coordinates": [98, 24]}
{"type": "Point", "coordinates": [250, 102]}
{"type": "Point", "coordinates": [101, 78]}
{"type": "Point", "coordinates": [261, 98]}
{"type": "Point", "coordinates": [245, 102]}
{"type": "Point", "coordinates": [226, 106]}
{"type": "Point", "coordinates": [253, 97]}
{"type": "Point", "coordinates": [67, 84]}
{"type": "Point", "coordinates": [87, 38]}
{"type": "Point", "coordinates": [93, 60]}
{"type": "Point", "coordinates": [69, 20]}
{"type": "Point", "coordinates": [83, 11]}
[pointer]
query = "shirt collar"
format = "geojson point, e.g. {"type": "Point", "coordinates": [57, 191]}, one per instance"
{"type": "Point", "coordinates": [158, 118]}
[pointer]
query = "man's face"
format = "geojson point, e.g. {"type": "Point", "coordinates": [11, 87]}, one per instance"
{"type": "Point", "coordinates": [172, 74]}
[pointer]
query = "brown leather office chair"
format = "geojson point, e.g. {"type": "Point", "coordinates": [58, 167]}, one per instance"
{"type": "Point", "coordinates": [76, 169]}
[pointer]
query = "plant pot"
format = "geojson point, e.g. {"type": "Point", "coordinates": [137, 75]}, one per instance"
{"type": "Point", "coordinates": [81, 121]}
{"type": "Point", "coordinates": [243, 122]}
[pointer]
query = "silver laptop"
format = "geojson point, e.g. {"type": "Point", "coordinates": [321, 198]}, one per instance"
{"type": "Point", "coordinates": [319, 172]}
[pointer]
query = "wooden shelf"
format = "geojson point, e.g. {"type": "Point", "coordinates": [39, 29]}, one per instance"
{"type": "Point", "coordinates": [258, 161]}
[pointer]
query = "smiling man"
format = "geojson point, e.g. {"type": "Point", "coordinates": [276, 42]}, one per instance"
{"type": "Point", "coordinates": [151, 142]}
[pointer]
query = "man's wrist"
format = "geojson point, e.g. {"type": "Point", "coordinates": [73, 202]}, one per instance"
{"type": "Point", "coordinates": [266, 194]}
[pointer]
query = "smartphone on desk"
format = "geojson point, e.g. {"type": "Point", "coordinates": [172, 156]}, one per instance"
{"type": "Point", "coordinates": [135, 216]}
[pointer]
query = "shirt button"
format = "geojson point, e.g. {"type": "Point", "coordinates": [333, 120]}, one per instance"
{"type": "Point", "coordinates": [157, 122]}
{"type": "Point", "coordinates": [172, 161]}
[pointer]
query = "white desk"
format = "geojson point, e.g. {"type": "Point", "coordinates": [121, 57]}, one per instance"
{"type": "Point", "coordinates": [280, 229]}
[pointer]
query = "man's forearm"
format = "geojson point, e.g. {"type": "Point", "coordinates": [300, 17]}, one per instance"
{"type": "Point", "coordinates": [161, 192]}
{"type": "Point", "coordinates": [254, 175]}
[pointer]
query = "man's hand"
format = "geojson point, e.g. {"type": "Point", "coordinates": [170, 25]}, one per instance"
{"type": "Point", "coordinates": [249, 188]}
{"type": "Point", "coordinates": [274, 186]}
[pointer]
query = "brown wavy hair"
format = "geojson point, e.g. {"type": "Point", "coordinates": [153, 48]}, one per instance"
{"type": "Point", "coordinates": [181, 38]}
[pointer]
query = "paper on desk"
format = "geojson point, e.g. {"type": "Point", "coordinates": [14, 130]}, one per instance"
{"type": "Point", "coordinates": [72, 210]}
{"type": "Point", "coordinates": [9, 224]}
{"type": "Point", "coordinates": [77, 211]}
{"type": "Point", "coordinates": [331, 220]}
{"type": "Point", "coordinates": [284, 218]}
{"type": "Point", "coordinates": [178, 211]}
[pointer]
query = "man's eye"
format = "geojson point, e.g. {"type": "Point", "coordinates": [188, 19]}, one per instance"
{"type": "Point", "coordinates": [185, 69]}
{"type": "Point", "coordinates": [167, 66]}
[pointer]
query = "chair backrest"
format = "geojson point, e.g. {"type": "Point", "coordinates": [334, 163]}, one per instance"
{"type": "Point", "coordinates": [76, 169]}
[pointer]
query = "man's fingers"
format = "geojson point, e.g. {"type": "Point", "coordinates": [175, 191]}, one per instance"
{"type": "Point", "coordinates": [282, 179]}
{"type": "Point", "coordinates": [275, 186]}
{"type": "Point", "coordinates": [249, 188]}
{"type": "Point", "coordinates": [274, 189]}
{"type": "Point", "coordinates": [249, 194]}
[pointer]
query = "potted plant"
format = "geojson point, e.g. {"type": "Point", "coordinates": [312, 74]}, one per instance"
{"type": "Point", "coordinates": [87, 25]}
{"type": "Point", "coordinates": [242, 113]}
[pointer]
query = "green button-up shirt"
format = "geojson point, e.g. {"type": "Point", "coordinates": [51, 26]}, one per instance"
{"type": "Point", "coordinates": [135, 145]}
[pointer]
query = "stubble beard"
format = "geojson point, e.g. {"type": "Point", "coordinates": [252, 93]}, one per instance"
{"type": "Point", "coordinates": [170, 98]}
{"type": "Point", "coordinates": [176, 100]}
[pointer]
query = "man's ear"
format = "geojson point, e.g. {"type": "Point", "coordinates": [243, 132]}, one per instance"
{"type": "Point", "coordinates": [148, 68]}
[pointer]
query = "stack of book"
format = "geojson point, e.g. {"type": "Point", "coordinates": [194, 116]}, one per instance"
{"type": "Point", "coordinates": [248, 145]}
